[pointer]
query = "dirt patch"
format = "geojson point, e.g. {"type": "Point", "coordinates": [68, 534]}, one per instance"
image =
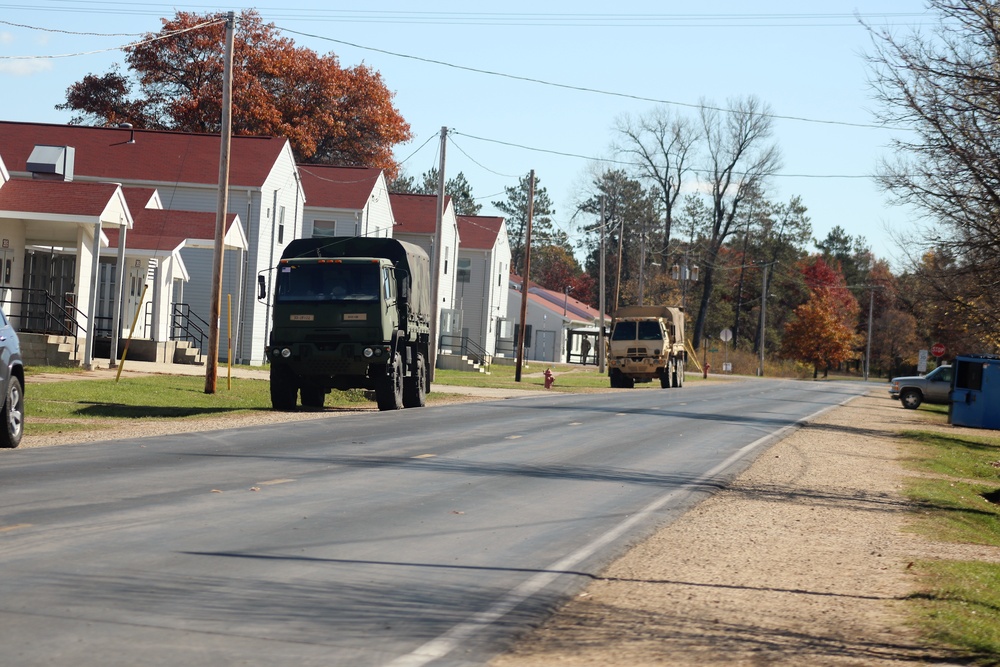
{"type": "Point", "coordinates": [802, 561]}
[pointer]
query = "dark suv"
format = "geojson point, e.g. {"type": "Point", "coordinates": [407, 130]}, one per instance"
{"type": "Point", "coordinates": [12, 384]}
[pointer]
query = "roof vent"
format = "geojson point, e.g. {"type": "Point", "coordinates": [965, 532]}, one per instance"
{"type": "Point", "coordinates": [52, 162]}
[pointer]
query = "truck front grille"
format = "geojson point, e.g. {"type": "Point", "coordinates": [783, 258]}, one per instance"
{"type": "Point", "coordinates": [320, 366]}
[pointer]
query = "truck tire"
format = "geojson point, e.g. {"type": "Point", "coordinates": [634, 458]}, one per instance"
{"type": "Point", "coordinates": [627, 382]}
{"type": "Point", "coordinates": [678, 378]}
{"type": "Point", "coordinates": [666, 374]}
{"type": "Point", "coordinates": [313, 396]}
{"type": "Point", "coordinates": [415, 388]}
{"type": "Point", "coordinates": [616, 379]}
{"type": "Point", "coordinates": [389, 388]}
{"type": "Point", "coordinates": [283, 389]}
{"type": "Point", "coordinates": [911, 398]}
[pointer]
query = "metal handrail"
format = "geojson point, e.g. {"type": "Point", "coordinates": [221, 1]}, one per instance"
{"type": "Point", "coordinates": [468, 348]}
{"type": "Point", "coordinates": [40, 312]}
{"type": "Point", "coordinates": [185, 324]}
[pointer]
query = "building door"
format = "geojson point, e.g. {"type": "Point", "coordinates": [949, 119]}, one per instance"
{"type": "Point", "coordinates": [545, 346]}
{"type": "Point", "coordinates": [135, 281]}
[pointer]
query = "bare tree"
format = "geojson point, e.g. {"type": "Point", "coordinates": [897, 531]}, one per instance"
{"type": "Point", "coordinates": [740, 156]}
{"type": "Point", "coordinates": [662, 146]}
{"type": "Point", "coordinates": [943, 88]}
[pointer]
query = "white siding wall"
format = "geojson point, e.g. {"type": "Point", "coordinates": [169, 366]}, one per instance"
{"type": "Point", "coordinates": [378, 215]}
{"type": "Point", "coordinates": [449, 241]}
{"type": "Point", "coordinates": [472, 298]}
{"type": "Point", "coordinates": [540, 319]}
{"type": "Point", "coordinates": [259, 209]}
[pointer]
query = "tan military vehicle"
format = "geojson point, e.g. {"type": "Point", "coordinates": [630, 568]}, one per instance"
{"type": "Point", "coordinates": [646, 343]}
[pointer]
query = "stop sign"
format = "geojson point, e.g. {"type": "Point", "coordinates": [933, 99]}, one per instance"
{"type": "Point", "coordinates": [938, 349]}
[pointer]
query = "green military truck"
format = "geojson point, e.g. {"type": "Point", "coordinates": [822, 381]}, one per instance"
{"type": "Point", "coordinates": [646, 343]}
{"type": "Point", "coordinates": [350, 313]}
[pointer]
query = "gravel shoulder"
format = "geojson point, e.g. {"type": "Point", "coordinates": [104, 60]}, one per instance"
{"type": "Point", "coordinates": [802, 561]}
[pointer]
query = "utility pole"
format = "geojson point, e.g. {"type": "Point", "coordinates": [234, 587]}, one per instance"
{"type": "Point", "coordinates": [601, 299]}
{"type": "Point", "coordinates": [763, 316]}
{"type": "Point", "coordinates": [868, 348]}
{"type": "Point", "coordinates": [524, 279]}
{"type": "Point", "coordinates": [215, 309]}
{"type": "Point", "coordinates": [436, 251]}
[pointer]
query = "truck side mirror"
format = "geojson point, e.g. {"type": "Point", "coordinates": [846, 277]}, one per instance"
{"type": "Point", "coordinates": [261, 287]}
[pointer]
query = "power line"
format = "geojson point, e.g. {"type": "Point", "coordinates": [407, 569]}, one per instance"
{"type": "Point", "coordinates": [565, 86]}
{"type": "Point", "coordinates": [635, 164]}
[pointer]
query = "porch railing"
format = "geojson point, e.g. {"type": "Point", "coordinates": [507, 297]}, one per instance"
{"type": "Point", "coordinates": [468, 348]}
{"type": "Point", "coordinates": [185, 324]}
{"type": "Point", "coordinates": [37, 311]}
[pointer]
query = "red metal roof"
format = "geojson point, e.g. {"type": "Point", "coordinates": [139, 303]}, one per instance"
{"type": "Point", "coordinates": [154, 156]}
{"type": "Point", "coordinates": [415, 214]}
{"type": "Point", "coordinates": [479, 231]}
{"type": "Point", "coordinates": [56, 197]}
{"type": "Point", "coordinates": [556, 301]}
{"type": "Point", "coordinates": [157, 229]}
{"type": "Point", "coordinates": [338, 187]}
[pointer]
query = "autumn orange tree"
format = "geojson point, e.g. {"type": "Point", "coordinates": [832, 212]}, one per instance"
{"type": "Point", "coordinates": [330, 114]}
{"type": "Point", "coordinates": [817, 334]}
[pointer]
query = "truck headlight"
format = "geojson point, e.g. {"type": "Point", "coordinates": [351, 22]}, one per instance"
{"type": "Point", "coordinates": [285, 352]}
{"type": "Point", "coordinates": [368, 352]}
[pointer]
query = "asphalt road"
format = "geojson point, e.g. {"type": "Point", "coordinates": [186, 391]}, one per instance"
{"type": "Point", "coordinates": [420, 537]}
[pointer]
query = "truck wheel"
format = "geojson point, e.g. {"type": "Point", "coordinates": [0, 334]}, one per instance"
{"type": "Point", "coordinates": [313, 396]}
{"type": "Point", "coordinates": [627, 382]}
{"type": "Point", "coordinates": [666, 374]}
{"type": "Point", "coordinates": [12, 415]}
{"type": "Point", "coordinates": [389, 389]}
{"type": "Point", "coordinates": [415, 388]}
{"type": "Point", "coordinates": [283, 389]}
{"type": "Point", "coordinates": [679, 373]}
{"type": "Point", "coordinates": [616, 378]}
{"type": "Point", "coordinates": [911, 398]}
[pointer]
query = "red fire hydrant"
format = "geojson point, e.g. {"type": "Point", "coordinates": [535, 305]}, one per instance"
{"type": "Point", "coordinates": [549, 378]}
{"type": "Point", "coordinates": [708, 367]}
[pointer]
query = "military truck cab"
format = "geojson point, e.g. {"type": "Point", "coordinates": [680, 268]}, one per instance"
{"type": "Point", "coordinates": [350, 313]}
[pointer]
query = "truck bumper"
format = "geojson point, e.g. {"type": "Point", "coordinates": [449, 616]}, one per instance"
{"type": "Point", "coordinates": [344, 359]}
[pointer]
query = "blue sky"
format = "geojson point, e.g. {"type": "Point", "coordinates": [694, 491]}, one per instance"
{"type": "Point", "coordinates": [804, 59]}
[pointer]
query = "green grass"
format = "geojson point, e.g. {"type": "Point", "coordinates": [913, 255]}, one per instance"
{"type": "Point", "coordinates": [957, 496]}
{"type": "Point", "coordinates": [962, 608]}
{"type": "Point", "coordinates": [80, 404]}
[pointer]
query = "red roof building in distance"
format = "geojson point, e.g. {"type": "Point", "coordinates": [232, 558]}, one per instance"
{"type": "Point", "coordinates": [114, 153]}
{"type": "Point", "coordinates": [416, 214]}
{"type": "Point", "coordinates": [479, 231]}
{"type": "Point", "coordinates": [338, 187]}
{"type": "Point", "coordinates": [557, 302]}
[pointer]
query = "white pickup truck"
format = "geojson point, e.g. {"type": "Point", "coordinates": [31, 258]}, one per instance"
{"type": "Point", "coordinates": [934, 387]}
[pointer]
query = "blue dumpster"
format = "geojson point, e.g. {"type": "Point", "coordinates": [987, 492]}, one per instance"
{"type": "Point", "coordinates": [975, 393]}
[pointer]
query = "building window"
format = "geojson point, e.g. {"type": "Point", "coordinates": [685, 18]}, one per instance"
{"type": "Point", "coordinates": [324, 228]}
{"type": "Point", "coordinates": [281, 225]}
{"type": "Point", "coordinates": [464, 270]}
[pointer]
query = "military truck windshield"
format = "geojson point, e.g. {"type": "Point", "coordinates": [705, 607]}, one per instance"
{"type": "Point", "coordinates": [328, 282]}
{"type": "Point", "coordinates": [637, 331]}
{"type": "Point", "coordinates": [624, 331]}
{"type": "Point", "coordinates": [650, 330]}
